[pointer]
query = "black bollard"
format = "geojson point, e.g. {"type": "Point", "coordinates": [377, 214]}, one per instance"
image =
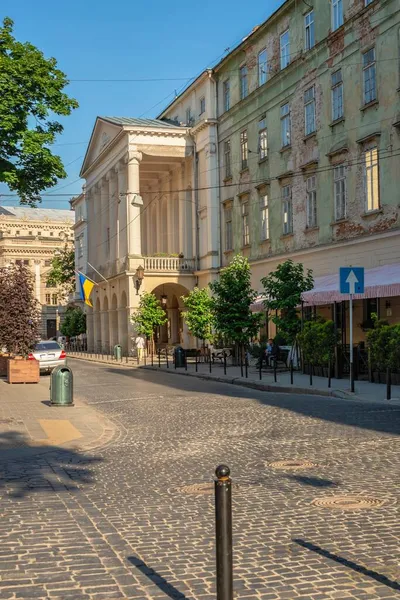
{"type": "Point", "coordinates": [145, 358]}
{"type": "Point", "coordinates": [166, 356]}
{"type": "Point", "coordinates": [311, 373]}
{"type": "Point", "coordinates": [388, 384]}
{"type": "Point", "coordinates": [159, 358]}
{"type": "Point", "coordinates": [224, 362]}
{"type": "Point", "coordinates": [152, 358]}
{"type": "Point", "coordinates": [209, 359]}
{"type": "Point", "coordinates": [291, 372]}
{"type": "Point", "coordinates": [241, 363]}
{"type": "Point", "coordinates": [260, 367]}
{"type": "Point", "coordinates": [185, 355]}
{"type": "Point", "coordinates": [275, 371]}
{"type": "Point", "coordinates": [329, 374]}
{"type": "Point", "coordinates": [196, 363]}
{"type": "Point", "coordinates": [246, 366]}
{"type": "Point", "coordinates": [223, 533]}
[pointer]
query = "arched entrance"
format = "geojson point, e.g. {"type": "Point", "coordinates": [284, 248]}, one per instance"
{"type": "Point", "coordinates": [105, 333]}
{"type": "Point", "coordinates": [114, 321]}
{"type": "Point", "coordinates": [97, 326]}
{"type": "Point", "coordinates": [174, 332]}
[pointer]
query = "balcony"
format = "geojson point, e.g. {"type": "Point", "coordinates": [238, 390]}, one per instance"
{"type": "Point", "coordinates": [168, 264]}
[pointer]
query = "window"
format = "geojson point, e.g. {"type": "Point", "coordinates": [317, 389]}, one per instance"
{"type": "Point", "coordinates": [337, 14]}
{"type": "Point", "coordinates": [244, 89]}
{"type": "Point", "coordinates": [340, 192]}
{"type": "Point", "coordinates": [262, 67]}
{"type": "Point", "coordinates": [337, 95]}
{"type": "Point", "coordinates": [226, 92]}
{"type": "Point", "coordinates": [228, 229]}
{"type": "Point", "coordinates": [51, 233]}
{"type": "Point", "coordinates": [245, 224]}
{"type": "Point", "coordinates": [48, 298]}
{"type": "Point", "coordinates": [244, 152]}
{"type": "Point", "coordinates": [47, 263]}
{"type": "Point", "coordinates": [227, 153]}
{"type": "Point", "coordinates": [54, 299]}
{"type": "Point", "coordinates": [369, 76]}
{"type": "Point", "coordinates": [285, 125]}
{"type": "Point", "coordinates": [188, 116]}
{"type": "Point", "coordinates": [371, 179]}
{"type": "Point", "coordinates": [202, 105]}
{"type": "Point", "coordinates": [309, 40]}
{"type": "Point", "coordinates": [30, 232]}
{"type": "Point", "coordinates": [26, 262]}
{"type": "Point", "coordinates": [309, 110]}
{"type": "Point", "coordinates": [285, 49]}
{"type": "Point", "coordinates": [264, 218]}
{"type": "Point", "coordinates": [311, 202]}
{"type": "Point", "coordinates": [39, 233]}
{"type": "Point", "coordinates": [287, 209]}
{"type": "Point", "coordinates": [18, 262]}
{"type": "Point", "coordinates": [17, 233]}
{"type": "Point", "coordinates": [80, 243]}
{"type": "Point", "coordinates": [262, 138]}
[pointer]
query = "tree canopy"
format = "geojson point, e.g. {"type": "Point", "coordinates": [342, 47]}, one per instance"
{"type": "Point", "coordinates": [62, 272]}
{"type": "Point", "coordinates": [199, 314]}
{"type": "Point", "coordinates": [232, 298]}
{"type": "Point", "coordinates": [31, 93]}
{"type": "Point", "coordinates": [149, 315]}
{"type": "Point", "coordinates": [19, 310]}
{"type": "Point", "coordinates": [74, 322]}
{"type": "Point", "coordinates": [283, 289]}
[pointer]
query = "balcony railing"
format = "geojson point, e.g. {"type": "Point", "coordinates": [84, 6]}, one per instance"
{"type": "Point", "coordinates": [169, 264]}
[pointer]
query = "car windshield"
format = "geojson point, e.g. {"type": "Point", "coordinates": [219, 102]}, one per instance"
{"type": "Point", "coordinates": [47, 346]}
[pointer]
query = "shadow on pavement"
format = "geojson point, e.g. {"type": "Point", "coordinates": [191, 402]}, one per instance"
{"type": "Point", "coordinates": [376, 417]}
{"type": "Point", "coordinates": [26, 468]}
{"type": "Point", "coordinates": [317, 482]}
{"type": "Point", "coordinates": [350, 564]}
{"type": "Point", "coordinates": [157, 579]}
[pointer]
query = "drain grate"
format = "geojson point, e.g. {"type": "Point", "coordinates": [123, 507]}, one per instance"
{"type": "Point", "coordinates": [294, 465]}
{"type": "Point", "coordinates": [198, 488]}
{"type": "Point", "coordinates": [348, 502]}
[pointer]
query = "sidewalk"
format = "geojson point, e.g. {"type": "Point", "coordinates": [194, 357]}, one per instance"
{"type": "Point", "coordinates": [29, 424]}
{"type": "Point", "coordinates": [340, 388]}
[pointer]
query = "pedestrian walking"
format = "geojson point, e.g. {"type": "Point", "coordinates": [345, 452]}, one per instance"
{"type": "Point", "coordinates": [140, 346]}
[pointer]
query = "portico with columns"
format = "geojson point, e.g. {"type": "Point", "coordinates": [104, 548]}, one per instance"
{"type": "Point", "coordinates": [140, 207]}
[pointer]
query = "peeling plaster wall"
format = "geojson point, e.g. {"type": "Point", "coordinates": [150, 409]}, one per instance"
{"type": "Point", "coordinates": [341, 143]}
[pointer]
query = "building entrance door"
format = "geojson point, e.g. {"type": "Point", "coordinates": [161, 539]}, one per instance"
{"type": "Point", "coordinates": [51, 328]}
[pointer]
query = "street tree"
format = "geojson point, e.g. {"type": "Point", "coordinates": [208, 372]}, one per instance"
{"type": "Point", "coordinates": [232, 298]}
{"type": "Point", "coordinates": [62, 272]}
{"type": "Point", "coordinates": [283, 288]}
{"type": "Point", "coordinates": [199, 314]}
{"type": "Point", "coordinates": [148, 316]}
{"type": "Point", "coordinates": [31, 94]}
{"type": "Point", "coordinates": [74, 322]}
{"type": "Point", "coordinates": [19, 311]}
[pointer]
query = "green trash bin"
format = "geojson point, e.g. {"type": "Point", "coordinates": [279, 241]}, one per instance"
{"type": "Point", "coordinates": [180, 357]}
{"type": "Point", "coordinates": [117, 352]}
{"type": "Point", "coordinates": [61, 387]}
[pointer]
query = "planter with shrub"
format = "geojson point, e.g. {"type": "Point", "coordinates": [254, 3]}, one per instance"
{"type": "Point", "coordinates": [317, 342]}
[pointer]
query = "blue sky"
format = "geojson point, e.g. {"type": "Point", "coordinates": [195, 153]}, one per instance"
{"type": "Point", "coordinates": [129, 39]}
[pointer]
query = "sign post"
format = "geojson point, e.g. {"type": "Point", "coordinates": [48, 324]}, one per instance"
{"type": "Point", "coordinates": [351, 282]}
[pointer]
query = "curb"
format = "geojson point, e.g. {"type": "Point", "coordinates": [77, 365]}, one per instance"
{"type": "Point", "coordinates": [264, 387]}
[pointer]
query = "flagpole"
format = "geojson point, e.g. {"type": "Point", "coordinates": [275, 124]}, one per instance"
{"type": "Point", "coordinates": [80, 273]}
{"type": "Point", "coordinates": [96, 271]}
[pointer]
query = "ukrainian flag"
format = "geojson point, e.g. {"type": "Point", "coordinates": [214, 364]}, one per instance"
{"type": "Point", "coordinates": [86, 286]}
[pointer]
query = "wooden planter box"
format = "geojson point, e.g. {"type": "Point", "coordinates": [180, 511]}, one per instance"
{"type": "Point", "coordinates": [21, 370]}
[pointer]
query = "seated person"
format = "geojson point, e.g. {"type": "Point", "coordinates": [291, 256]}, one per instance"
{"type": "Point", "coordinates": [271, 353]}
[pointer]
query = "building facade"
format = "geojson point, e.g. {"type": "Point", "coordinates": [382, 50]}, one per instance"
{"type": "Point", "coordinates": [31, 236]}
{"type": "Point", "coordinates": [309, 141]}
{"type": "Point", "coordinates": [288, 148]}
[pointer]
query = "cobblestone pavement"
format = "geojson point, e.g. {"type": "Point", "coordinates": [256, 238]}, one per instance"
{"type": "Point", "coordinates": [116, 523]}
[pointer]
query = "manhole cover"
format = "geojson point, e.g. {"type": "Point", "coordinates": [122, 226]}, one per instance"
{"type": "Point", "coordinates": [348, 502]}
{"type": "Point", "coordinates": [198, 488]}
{"type": "Point", "coordinates": [292, 464]}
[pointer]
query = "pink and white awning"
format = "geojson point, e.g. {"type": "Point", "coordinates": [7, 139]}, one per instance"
{"type": "Point", "coordinates": [380, 282]}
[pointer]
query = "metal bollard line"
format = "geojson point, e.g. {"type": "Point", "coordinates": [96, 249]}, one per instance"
{"type": "Point", "coordinates": [223, 533]}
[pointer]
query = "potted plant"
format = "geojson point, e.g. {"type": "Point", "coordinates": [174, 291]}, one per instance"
{"type": "Point", "coordinates": [384, 351]}
{"type": "Point", "coordinates": [19, 323]}
{"type": "Point", "coordinates": [317, 342]}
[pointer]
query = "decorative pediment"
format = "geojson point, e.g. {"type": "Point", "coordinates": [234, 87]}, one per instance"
{"type": "Point", "coordinates": [103, 134]}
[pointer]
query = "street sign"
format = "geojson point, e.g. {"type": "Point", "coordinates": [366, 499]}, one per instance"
{"type": "Point", "coordinates": [351, 280]}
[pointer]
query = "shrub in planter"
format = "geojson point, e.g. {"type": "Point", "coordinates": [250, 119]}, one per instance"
{"type": "Point", "coordinates": [19, 317]}
{"type": "Point", "coordinates": [317, 342]}
{"type": "Point", "coordinates": [384, 346]}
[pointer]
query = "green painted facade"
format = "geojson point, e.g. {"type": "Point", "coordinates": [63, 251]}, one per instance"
{"type": "Point", "coordinates": [349, 141]}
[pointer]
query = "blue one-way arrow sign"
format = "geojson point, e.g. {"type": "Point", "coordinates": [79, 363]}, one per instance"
{"type": "Point", "coordinates": [351, 280]}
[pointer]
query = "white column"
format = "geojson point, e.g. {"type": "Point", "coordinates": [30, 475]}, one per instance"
{"type": "Point", "coordinates": [122, 212]}
{"type": "Point", "coordinates": [182, 213]}
{"type": "Point", "coordinates": [159, 232]}
{"type": "Point", "coordinates": [104, 221]}
{"type": "Point", "coordinates": [112, 213]}
{"type": "Point", "coordinates": [134, 203]}
{"type": "Point", "coordinates": [37, 280]}
{"type": "Point", "coordinates": [97, 239]}
{"type": "Point", "coordinates": [170, 215]}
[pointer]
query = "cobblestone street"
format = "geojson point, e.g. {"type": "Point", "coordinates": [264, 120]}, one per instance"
{"type": "Point", "coordinates": [135, 518]}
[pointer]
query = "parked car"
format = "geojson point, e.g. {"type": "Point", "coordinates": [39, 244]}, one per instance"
{"type": "Point", "coordinates": [49, 354]}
